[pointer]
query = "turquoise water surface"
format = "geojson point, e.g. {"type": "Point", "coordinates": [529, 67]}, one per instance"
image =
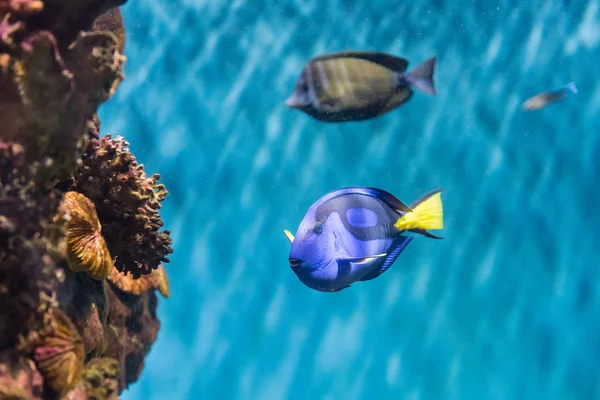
{"type": "Point", "coordinates": [507, 306]}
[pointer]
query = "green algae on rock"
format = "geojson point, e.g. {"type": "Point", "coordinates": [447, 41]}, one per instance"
{"type": "Point", "coordinates": [100, 379]}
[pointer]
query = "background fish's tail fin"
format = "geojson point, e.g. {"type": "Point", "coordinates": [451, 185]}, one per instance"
{"type": "Point", "coordinates": [427, 213]}
{"type": "Point", "coordinates": [571, 87]}
{"type": "Point", "coordinates": [422, 76]}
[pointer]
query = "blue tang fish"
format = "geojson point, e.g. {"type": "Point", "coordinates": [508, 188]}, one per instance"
{"type": "Point", "coordinates": [356, 234]}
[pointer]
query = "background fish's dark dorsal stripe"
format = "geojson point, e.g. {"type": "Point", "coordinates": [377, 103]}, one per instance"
{"type": "Point", "coordinates": [394, 63]}
{"type": "Point", "coordinates": [347, 199]}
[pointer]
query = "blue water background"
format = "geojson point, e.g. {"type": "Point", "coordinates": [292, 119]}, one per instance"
{"type": "Point", "coordinates": [506, 307]}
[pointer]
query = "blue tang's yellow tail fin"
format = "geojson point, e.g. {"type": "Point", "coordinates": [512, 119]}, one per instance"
{"type": "Point", "coordinates": [427, 213]}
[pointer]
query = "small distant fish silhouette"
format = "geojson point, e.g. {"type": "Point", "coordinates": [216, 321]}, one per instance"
{"type": "Point", "coordinates": [356, 234]}
{"type": "Point", "coordinates": [543, 99]}
{"type": "Point", "coordinates": [358, 85]}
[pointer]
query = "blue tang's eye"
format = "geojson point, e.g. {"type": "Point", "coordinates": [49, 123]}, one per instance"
{"type": "Point", "coordinates": [318, 227]}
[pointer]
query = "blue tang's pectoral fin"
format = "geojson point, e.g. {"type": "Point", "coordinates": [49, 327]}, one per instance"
{"type": "Point", "coordinates": [395, 249]}
{"type": "Point", "coordinates": [361, 260]}
{"type": "Point", "coordinates": [349, 265]}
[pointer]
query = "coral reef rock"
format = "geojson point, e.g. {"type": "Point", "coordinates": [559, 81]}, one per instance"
{"type": "Point", "coordinates": [85, 300]}
{"type": "Point", "coordinates": [28, 273]}
{"type": "Point", "coordinates": [51, 85]}
{"type": "Point", "coordinates": [82, 253]}
{"type": "Point", "coordinates": [19, 379]}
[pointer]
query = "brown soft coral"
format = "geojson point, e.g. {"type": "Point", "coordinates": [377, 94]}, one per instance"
{"type": "Point", "coordinates": [128, 204]}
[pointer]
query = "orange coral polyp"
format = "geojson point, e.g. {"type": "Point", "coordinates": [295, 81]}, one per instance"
{"type": "Point", "coordinates": [157, 279]}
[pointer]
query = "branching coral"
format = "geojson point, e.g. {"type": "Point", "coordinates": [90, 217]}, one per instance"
{"type": "Point", "coordinates": [128, 204]}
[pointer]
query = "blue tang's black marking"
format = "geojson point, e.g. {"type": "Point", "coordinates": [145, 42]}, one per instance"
{"type": "Point", "coordinates": [363, 206]}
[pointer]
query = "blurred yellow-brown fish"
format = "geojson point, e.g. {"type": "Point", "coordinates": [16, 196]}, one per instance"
{"type": "Point", "coordinates": [358, 85]}
{"type": "Point", "coordinates": [543, 99]}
